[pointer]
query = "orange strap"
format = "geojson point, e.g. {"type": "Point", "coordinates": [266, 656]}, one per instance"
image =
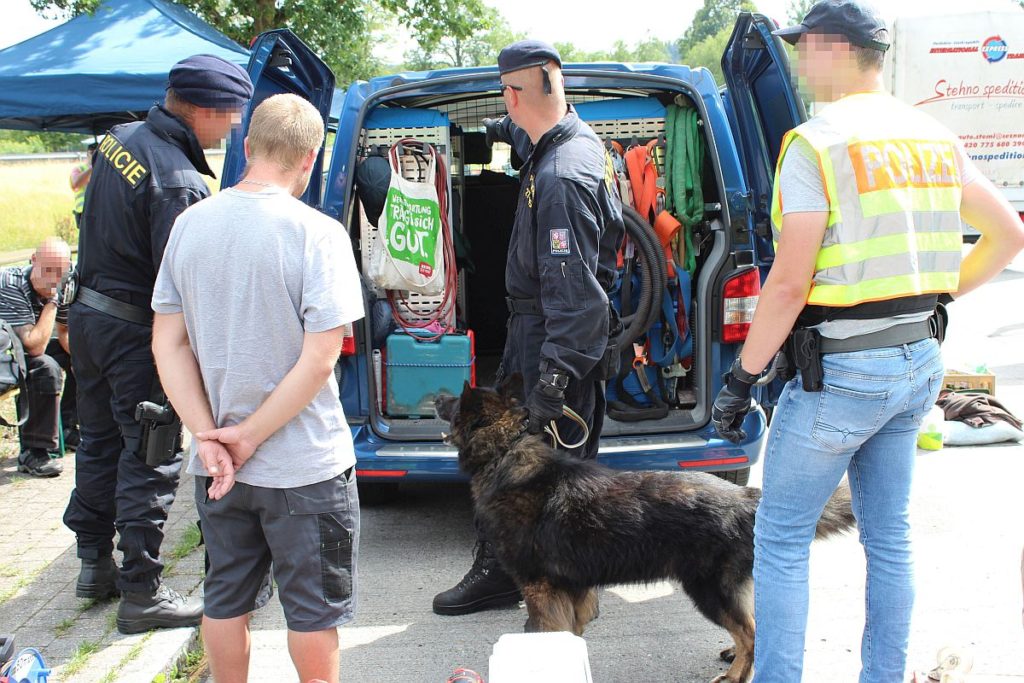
{"type": "Point", "coordinates": [667, 227]}
{"type": "Point", "coordinates": [643, 177]}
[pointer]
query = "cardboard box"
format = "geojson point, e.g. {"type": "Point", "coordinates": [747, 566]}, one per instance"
{"type": "Point", "coordinates": [970, 381]}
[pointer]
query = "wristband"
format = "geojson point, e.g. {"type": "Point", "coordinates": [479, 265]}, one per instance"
{"type": "Point", "coordinates": [742, 375]}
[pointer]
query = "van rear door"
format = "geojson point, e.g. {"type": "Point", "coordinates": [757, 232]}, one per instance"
{"type": "Point", "coordinates": [281, 63]}
{"type": "Point", "coordinates": [765, 104]}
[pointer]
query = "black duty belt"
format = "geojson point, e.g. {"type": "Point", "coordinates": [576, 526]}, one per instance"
{"type": "Point", "coordinates": [891, 336]}
{"type": "Point", "coordinates": [523, 306]}
{"type": "Point", "coordinates": [114, 307]}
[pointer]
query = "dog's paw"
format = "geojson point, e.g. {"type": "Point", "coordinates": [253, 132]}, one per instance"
{"type": "Point", "coordinates": [724, 678]}
{"type": "Point", "coordinates": [727, 655]}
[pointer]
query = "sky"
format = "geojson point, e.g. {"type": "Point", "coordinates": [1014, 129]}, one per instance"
{"type": "Point", "coordinates": [580, 22]}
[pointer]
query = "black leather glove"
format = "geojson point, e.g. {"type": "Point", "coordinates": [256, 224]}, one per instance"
{"type": "Point", "coordinates": [491, 128]}
{"type": "Point", "coordinates": [733, 403]}
{"type": "Point", "coordinates": [545, 402]}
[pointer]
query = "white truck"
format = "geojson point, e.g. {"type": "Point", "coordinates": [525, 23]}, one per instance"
{"type": "Point", "coordinates": [967, 70]}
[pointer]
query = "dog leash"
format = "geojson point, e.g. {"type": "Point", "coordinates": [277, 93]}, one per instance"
{"type": "Point", "coordinates": [556, 439]}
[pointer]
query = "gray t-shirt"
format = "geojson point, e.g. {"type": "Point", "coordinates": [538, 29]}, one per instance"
{"type": "Point", "coordinates": [803, 190]}
{"type": "Point", "coordinates": [252, 273]}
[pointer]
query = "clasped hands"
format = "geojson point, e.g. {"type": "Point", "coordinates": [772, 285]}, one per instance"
{"type": "Point", "coordinates": [223, 452]}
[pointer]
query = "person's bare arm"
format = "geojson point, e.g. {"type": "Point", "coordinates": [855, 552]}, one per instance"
{"type": "Point", "coordinates": [179, 372]}
{"type": "Point", "coordinates": [1002, 234]}
{"type": "Point", "coordinates": [34, 338]}
{"type": "Point", "coordinates": [299, 387]}
{"type": "Point", "coordinates": [62, 337]}
{"type": "Point", "coordinates": [80, 179]}
{"type": "Point", "coordinates": [183, 384]}
{"type": "Point", "coordinates": [785, 290]}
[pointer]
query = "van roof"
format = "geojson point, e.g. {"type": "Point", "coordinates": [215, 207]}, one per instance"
{"type": "Point", "coordinates": [674, 71]}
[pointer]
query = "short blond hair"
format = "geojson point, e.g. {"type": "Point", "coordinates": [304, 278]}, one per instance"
{"type": "Point", "coordinates": [283, 129]}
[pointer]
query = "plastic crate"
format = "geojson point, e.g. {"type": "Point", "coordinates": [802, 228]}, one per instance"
{"type": "Point", "coordinates": [417, 371]}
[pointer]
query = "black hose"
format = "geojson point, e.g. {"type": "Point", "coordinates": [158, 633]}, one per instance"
{"type": "Point", "coordinates": [652, 277]}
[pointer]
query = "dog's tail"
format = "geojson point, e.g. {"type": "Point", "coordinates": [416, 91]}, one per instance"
{"type": "Point", "coordinates": [838, 515]}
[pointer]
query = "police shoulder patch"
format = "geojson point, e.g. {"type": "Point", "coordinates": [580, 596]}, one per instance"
{"type": "Point", "coordinates": [126, 165]}
{"type": "Point", "coordinates": [560, 241]}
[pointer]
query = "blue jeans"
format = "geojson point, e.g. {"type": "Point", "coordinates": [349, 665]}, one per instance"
{"type": "Point", "coordinates": [864, 423]}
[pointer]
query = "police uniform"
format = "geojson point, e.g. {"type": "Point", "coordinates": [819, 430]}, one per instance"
{"type": "Point", "coordinates": [869, 367]}
{"type": "Point", "coordinates": [561, 263]}
{"type": "Point", "coordinates": [145, 174]}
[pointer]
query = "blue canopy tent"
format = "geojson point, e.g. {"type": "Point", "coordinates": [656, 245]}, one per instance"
{"type": "Point", "coordinates": [98, 70]}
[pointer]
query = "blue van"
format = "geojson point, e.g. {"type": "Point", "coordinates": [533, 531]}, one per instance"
{"type": "Point", "coordinates": [741, 124]}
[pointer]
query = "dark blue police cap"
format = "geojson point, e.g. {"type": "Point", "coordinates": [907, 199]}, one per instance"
{"type": "Point", "coordinates": [859, 22]}
{"type": "Point", "coordinates": [210, 82]}
{"type": "Point", "coordinates": [526, 53]}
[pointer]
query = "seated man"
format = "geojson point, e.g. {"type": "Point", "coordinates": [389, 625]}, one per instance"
{"type": "Point", "coordinates": [29, 302]}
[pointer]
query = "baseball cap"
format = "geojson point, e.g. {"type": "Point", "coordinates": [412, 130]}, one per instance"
{"type": "Point", "coordinates": [859, 22]}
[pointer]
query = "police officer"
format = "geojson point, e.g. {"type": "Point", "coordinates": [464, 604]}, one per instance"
{"type": "Point", "coordinates": [867, 213]}
{"type": "Point", "coordinates": [146, 173]}
{"type": "Point", "coordinates": [561, 263]}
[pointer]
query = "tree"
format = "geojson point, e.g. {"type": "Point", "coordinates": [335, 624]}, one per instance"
{"type": "Point", "coordinates": [479, 48]}
{"type": "Point", "coordinates": [708, 53]}
{"type": "Point", "coordinates": [798, 9]}
{"type": "Point", "coordinates": [341, 33]}
{"type": "Point", "coordinates": [39, 142]}
{"type": "Point", "coordinates": [711, 19]}
{"type": "Point", "coordinates": [647, 50]}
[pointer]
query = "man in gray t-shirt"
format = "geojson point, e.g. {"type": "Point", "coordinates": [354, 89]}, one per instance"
{"type": "Point", "coordinates": [251, 297]}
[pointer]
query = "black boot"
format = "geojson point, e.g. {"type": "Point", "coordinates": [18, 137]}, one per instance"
{"type": "Point", "coordinates": [163, 608]}
{"type": "Point", "coordinates": [98, 579]}
{"type": "Point", "coordinates": [485, 585]}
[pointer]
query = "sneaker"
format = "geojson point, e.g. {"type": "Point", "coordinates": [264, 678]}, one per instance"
{"type": "Point", "coordinates": [38, 463]}
{"type": "Point", "coordinates": [485, 585]}
{"type": "Point", "coordinates": [163, 608]}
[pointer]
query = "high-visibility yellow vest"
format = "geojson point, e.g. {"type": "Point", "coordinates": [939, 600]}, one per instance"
{"type": "Point", "coordinates": [893, 189]}
{"type": "Point", "coordinates": [80, 194]}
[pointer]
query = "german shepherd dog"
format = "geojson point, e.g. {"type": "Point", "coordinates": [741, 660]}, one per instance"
{"type": "Point", "coordinates": [563, 527]}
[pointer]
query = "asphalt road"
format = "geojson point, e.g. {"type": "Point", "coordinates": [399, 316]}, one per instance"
{"type": "Point", "coordinates": [968, 518]}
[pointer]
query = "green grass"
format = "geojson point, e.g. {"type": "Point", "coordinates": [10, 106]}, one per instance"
{"type": "Point", "coordinates": [189, 670]}
{"type": "Point", "coordinates": [188, 542]}
{"type": "Point", "coordinates": [63, 627]}
{"type": "Point", "coordinates": [133, 653]}
{"type": "Point", "coordinates": [20, 583]}
{"type": "Point", "coordinates": [7, 571]}
{"type": "Point", "coordinates": [36, 201]}
{"type": "Point", "coordinates": [85, 649]}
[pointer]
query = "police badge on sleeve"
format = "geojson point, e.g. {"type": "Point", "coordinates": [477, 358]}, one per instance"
{"type": "Point", "coordinates": [560, 241]}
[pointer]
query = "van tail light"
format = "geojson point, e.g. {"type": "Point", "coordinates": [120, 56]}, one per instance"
{"type": "Point", "coordinates": [348, 341]}
{"type": "Point", "coordinates": [740, 295]}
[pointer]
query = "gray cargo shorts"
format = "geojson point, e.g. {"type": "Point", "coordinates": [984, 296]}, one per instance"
{"type": "Point", "coordinates": [309, 533]}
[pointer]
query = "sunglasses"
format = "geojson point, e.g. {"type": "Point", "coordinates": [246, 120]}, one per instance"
{"type": "Point", "coordinates": [505, 86]}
